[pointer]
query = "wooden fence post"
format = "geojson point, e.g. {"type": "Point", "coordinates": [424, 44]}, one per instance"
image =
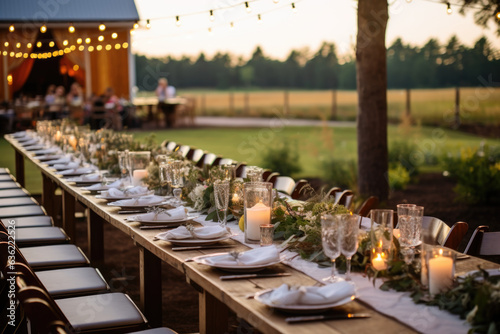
{"type": "Point", "coordinates": [286, 102]}
{"type": "Point", "coordinates": [408, 102]}
{"type": "Point", "coordinates": [203, 104]}
{"type": "Point", "coordinates": [247, 103]}
{"type": "Point", "coordinates": [334, 104]}
{"type": "Point", "coordinates": [231, 103]}
{"type": "Point", "coordinates": [457, 107]}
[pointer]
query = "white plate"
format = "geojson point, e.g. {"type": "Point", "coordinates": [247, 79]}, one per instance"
{"type": "Point", "coordinates": [46, 151]}
{"type": "Point", "coordinates": [35, 147]}
{"type": "Point", "coordinates": [117, 198]}
{"type": "Point", "coordinates": [48, 157]}
{"type": "Point", "coordinates": [492, 272]}
{"type": "Point", "coordinates": [233, 268]}
{"type": "Point", "coordinates": [195, 242]}
{"type": "Point", "coordinates": [79, 181]}
{"type": "Point", "coordinates": [75, 172]}
{"type": "Point", "coordinates": [297, 308]}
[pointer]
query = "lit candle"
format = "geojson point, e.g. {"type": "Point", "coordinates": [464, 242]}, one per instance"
{"type": "Point", "coordinates": [259, 214]}
{"type": "Point", "coordinates": [440, 273]}
{"type": "Point", "coordinates": [379, 263]}
{"type": "Point", "coordinates": [58, 136]}
{"type": "Point", "coordinates": [138, 175]}
{"type": "Point", "coordinates": [72, 141]}
{"type": "Point", "coordinates": [236, 198]}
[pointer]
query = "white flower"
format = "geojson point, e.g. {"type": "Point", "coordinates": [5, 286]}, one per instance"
{"type": "Point", "coordinates": [196, 195]}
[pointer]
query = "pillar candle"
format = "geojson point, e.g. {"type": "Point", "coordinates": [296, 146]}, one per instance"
{"type": "Point", "coordinates": [138, 175]}
{"type": "Point", "coordinates": [379, 263]}
{"type": "Point", "coordinates": [440, 274]}
{"type": "Point", "coordinates": [259, 214]}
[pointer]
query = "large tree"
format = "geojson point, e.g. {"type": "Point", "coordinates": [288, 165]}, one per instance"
{"type": "Point", "coordinates": [372, 88]}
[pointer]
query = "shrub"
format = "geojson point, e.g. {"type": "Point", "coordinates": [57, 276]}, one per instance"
{"type": "Point", "coordinates": [405, 154]}
{"type": "Point", "coordinates": [399, 177]}
{"type": "Point", "coordinates": [282, 158]}
{"type": "Point", "coordinates": [340, 173]}
{"type": "Point", "coordinates": [477, 173]}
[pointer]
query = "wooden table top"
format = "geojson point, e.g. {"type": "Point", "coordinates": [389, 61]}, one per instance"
{"type": "Point", "coordinates": [235, 293]}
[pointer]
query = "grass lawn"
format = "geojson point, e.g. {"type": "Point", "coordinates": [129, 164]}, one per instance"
{"type": "Point", "coordinates": [314, 143]}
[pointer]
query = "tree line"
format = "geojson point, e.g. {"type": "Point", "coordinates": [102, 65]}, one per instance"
{"type": "Point", "coordinates": [429, 66]}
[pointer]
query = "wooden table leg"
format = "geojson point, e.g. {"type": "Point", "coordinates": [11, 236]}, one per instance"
{"type": "Point", "coordinates": [49, 198]}
{"type": "Point", "coordinates": [213, 314]}
{"type": "Point", "coordinates": [150, 287]}
{"type": "Point", "coordinates": [20, 168]}
{"type": "Point", "coordinates": [68, 214]}
{"type": "Point", "coordinates": [95, 230]}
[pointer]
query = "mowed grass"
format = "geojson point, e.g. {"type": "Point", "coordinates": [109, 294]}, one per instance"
{"type": "Point", "coordinates": [315, 144]}
{"type": "Point", "coordinates": [428, 106]}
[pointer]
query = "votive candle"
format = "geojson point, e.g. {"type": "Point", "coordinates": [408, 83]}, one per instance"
{"type": "Point", "coordinates": [259, 214]}
{"type": "Point", "coordinates": [440, 272]}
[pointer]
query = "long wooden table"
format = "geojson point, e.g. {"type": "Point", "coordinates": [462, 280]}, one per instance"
{"type": "Point", "coordinates": [216, 297]}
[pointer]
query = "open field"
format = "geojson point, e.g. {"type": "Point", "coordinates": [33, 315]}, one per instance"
{"type": "Point", "coordinates": [428, 106]}
{"type": "Point", "coordinates": [314, 144]}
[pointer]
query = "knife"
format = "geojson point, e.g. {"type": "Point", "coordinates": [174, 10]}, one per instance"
{"type": "Point", "coordinates": [200, 247]}
{"type": "Point", "coordinates": [294, 320]}
{"type": "Point", "coordinates": [154, 227]}
{"type": "Point", "coordinates": [228, 277]}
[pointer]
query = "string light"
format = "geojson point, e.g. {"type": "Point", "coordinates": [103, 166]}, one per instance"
{"type": "Point", "coordinates": [294, 9]}
{"type": "Point", "coordinates": [448, 8]}
{"type": "Point", "coordinates": [43, 29]}
{"type": "Point", "coordinates": [102, 27]}
{"type": "Point", "coordinates": [90, 48]}
{"type": "Point", "coordinates": [125, 45]}
{"type": "Point", "coordinates": [81, 48]}
{"type": "Point", "coordinates": [177, 21]}
{"type": "Point", "coordinates": [232, 25]}
{"type": "Point", "coordinates": [497, 14]}
{"type": "Point", "coordinates": [100, 38]}
{"type": "Point", "coordinates": [88, 40]}
{"type": "Point", "coordinates": [12, 28]}
{"type": "Point", "coordinates": [211, 15]}
{"type": "Point", "coordinates": [51, 44]}
{"type": "Point", "coordinates": [71, 28]}
{"type": "Point", "coordinates": [99, 47]}
{"type": "Point", "coordinates": [79, 41]}
{"type": "Point", "coordinates": [148, 24]}
{"type": "Point", "coordinates": [117, 46]}
{"type": "Point", "coordinates": [259, 18]}
{"type": "Point", "coordinates": [136, 25]}
{"type": "Point", "coordinates": [29, 45]}
{"type": "Point", "coordinates": [276, 1]}
{"type": "Point", "coordinates": [114, 35]}
{"type": "Point", "coordinates": [18, 45]}
{"type": "Point", "coordinates": [247, 7]}
{"type": "Point", "coordinates": [76, 67]}
{"type": "Point", "coordinates": [6, 44]}
{"type": "Point", "coordinates": [39, 44]}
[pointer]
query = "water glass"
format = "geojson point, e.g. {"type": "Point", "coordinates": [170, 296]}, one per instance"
{"type": "Point", "coordinates": [229, 171]}
{"type": "Point", "coordinates": [257, 206]}
{"type": "Point", "coordinates": [139, 162]}
{"type": "Point", "coordinates": [177, 181]}
{"type": "Point", "coordinates": [221, 195]}
{"type": "Point", "coordinates": [411, 226]}
{"type": "Point", "coordinates": [349, 228]}
{"type": "Point", "coordinates": [330, 240]}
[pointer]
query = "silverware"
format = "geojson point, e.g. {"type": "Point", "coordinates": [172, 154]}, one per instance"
{"type": "Point", "coordinates": [294, 320]}
{"type": "Point", "coordinates": [155, 227]}
{"type": "Point", "coordinates": [200, 247]}
{"type": "Point", "coordinates": [228, 277]}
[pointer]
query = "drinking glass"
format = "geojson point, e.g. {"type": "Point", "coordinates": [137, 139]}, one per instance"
{"type": "Point", "coordinates": [330, 240]}
{"type": "Point", "coordinates": [349, 227]}
{"type": "Point", "coordinates": [229, 171]}
{"type": "Point", "coordinates": [124, 164]}
{"type": "Point", "coordinates": [139, 162]}
{"type": "Point", "coordinates": [177, 181]}
{"type": "Point", "coordinates": [410, 226]}
{"type": "Point", "coordinates": [165, 176]}
{"type": "Point", "coordinates": [258, 205]}
{"type": "Point", "coordinates": [403, 213]}
{"type": "Point", "coordinates": [221, 194]}
{"type": "Point", "coordinates": [254, 173]}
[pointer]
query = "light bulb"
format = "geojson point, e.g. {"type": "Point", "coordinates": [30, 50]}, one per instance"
{"type": "Point", "coordinates": [448, 8]}
{"type": "Point", "coordinates": [65, 42]}
{"type": "Point", "coordinates": [87, 40]}
{"type": "Point", "coordinates": [259, 18]}
{"type": "Point", "coordinates": [6, 44]}
{"type": "Point", "coordinates": [71, 29]}
{"type": "Point", "coordinates": [247, 7]}
{"type": "Point", "coordinates": [136, 25]}
{"type": "Point", "coordinates": [177, 21]}
{"type": "Point", "coordinates": [51, 44]}
{"type": "Point", "coordinates": [18, 45]}
{"type": "Point", "coordinates": [39, 44]}
{"type": "Point", "coordinates": [148, 24]}
{"type": "Point", "coordinates": [79, 41]}
{"type": "Point", "coordinates": [100, 38]}
{"type": "Point", "coordinates": [114, 35]}
{"type": "Point", "coordinates": [12, 28]}
{"type": "Point", "coordinates": [294, 9]}
{"type": "Point", "coordinates": [102, 27]}
{"type": "Point", "coordinates": [211, 16]}
{"type": "Point", "coordinates": [43, 29]}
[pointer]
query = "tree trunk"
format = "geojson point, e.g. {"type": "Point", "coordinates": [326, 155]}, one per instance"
{"type": "Point", "coordinates": [372, 98]}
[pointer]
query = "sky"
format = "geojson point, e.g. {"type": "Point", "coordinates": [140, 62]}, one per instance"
{"type": "Point", "coordinates": [282, 29]}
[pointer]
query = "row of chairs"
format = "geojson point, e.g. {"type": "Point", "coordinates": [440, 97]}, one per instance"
{"type": "Point", "coordinates": [57, 289]}
{"type": "Point", "coordinates": [300, 189]}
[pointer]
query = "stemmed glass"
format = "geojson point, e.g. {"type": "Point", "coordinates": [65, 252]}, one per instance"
{"type": "Point", "coordinates": [221, 194]}
{"type": "Point", "coordinates": [177, 182]}
{"type": "Point", "coordinates": [349, 227]}
{"type": "Point", "coordinates": [124, 164]}
{"type": "Point", "coordinates": [165, 176]}
{"type": "Point", "coordinates": [330, 238]}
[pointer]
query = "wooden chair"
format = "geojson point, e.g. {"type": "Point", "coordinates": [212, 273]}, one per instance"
{"type": "Point", "coordinates": [439, 233]}
{"type": "Point", "coordinates": [344, 198]}
{"type": "Point", "coordinates": [225, 161]}
{"type": "Point", "coordinates": [483, 242]}
{"type": "Point", "coordinates": [241, 170]}
{"type": "Point", "coordinates": [183, 150]}
{"type": "Point", "coordinates": [100, 118]}
{"type": "Point", "coordinates": [284, 184]}
{"type": "Point", "coordinates": [171, 146]}
{"type": "Point", "coordinates": [271, 178]}
{"type": "Point", "coordinates": [300, 191]}
{"type": "Point", "coordinates": [456, 235]}
{"type": "Point", "coordinates": [332, 193]}
{"type": "Point", "coordinates": [196, 155]}
{"type": "Point", "coordinates": [370, 203]}
{"type": "Point", "coordinates": [265, 174]}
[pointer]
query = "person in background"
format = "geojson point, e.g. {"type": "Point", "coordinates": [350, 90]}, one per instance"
{"type": "Point", "coordinates": [75, 96]}
{"type": "Point", "coordinates": [164, 92]}
{"type": "Point", "coordinates": [50, 96]}
{"type": "Point", "coordinates": [57, 107]}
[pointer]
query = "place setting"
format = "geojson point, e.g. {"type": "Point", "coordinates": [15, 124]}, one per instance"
{"type": "Point", "coordinates": [156, 216]}
{"type": "Point", "coordinates": [188, 236]}
{"type": "Point", "coordinates": [114, 194]}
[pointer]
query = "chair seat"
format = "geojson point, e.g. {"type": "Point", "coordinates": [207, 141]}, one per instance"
{"type": "Point", "coordinates": [16, 201]}
{"type": "Point", "coordinates": [40, 236]}
{"type": "Point", "coordinates": [161, 330]}
{"type": "Point", "coordinates": [9, 185]}
{"type": "Point", "coordinates": [100, 311]}
{"type": "Point", "coordinates": [17, 192]}
{"type": "Point", "coordinates": [21, 211]}
{"type": "Point", "coordinates": [72, 281]}
{"type": "Point", "coordinates": [6, 178]}
{"type": "Point", "coordinates": [4, 170]}
{"type": "Point", "coordinates": [54, 256]}
{"type": "Point", "coordinates": [35, 221]}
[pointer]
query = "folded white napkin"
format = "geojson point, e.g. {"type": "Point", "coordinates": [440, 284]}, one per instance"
{"type": "Point", "coordinates": [68, 165]}
{"type": "Point", "coordinates": [29, 142]}
{"type": "Point", "coordinates": [129, 192]}
{"type": "Point", "coordinates": [82, 170]}
{"type": "Point", "coordinates": [172, 215]}
{"type": "Point", "coordinates": [63, 160]}
{"type": "Point", "coordinates": [254, 257]}
{"type": "Point", "coordinates": [98, 186]}
{"type": "Point", "coordinates": [139, 201]}
{"type": "Point", "coordinates": [34, 147]}
{"type": "Point", "coordinates": [51, 150]}
{"type": "Point", "coordinates": [206, 232]}
{"type": "Point", "coordinates": [91, 177]}
{"type": "Point", "coordinates": [311, 295]}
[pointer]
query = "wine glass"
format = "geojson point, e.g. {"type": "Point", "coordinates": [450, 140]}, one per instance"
{"type": "Point", "coordinates": [221, 194]}
{"type": "Point", "coordinates": [330, 238]}
{"type": "Point", "coordinates": [124, 164]}
{"type": "Point", "coordinates": [165, 176]}
{"type": "Point", "coordinates": [177, 181]}
{"type": "Point", "coordinates": [349, 227]}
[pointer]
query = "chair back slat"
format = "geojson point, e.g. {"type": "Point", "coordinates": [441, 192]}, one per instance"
{"type": "Point", "coordinates": [369, 204]}
{"type": "Point", "coordinates": [475, 241]}
{"type": "Point", "coordinates": [490, 244]}
{"type": "Point", "coordinates": [456, 235]}
{"type": "Point", "coordinates": [284, 184]}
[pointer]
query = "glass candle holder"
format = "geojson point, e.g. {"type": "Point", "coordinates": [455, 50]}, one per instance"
{"type": "Point", "coordinates": [381, 238]}
{"type": "Point", "coordinates": [441, 270]}
{"type": "Point", "coordinates": [257, 206]}
{"type": "Point", "coordinates": [266, 235]}
{"type": "Point", "coordinates": [139, 162]}
{"type": "Point", "coordinates": [254, 173]}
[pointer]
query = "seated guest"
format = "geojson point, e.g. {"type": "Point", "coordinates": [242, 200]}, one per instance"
{"type": "Point", "coordinates": [57, 107]}
{"type": "Point", "coordinates": [164, 92]}
{"type": "Point", "coordinates": [75, 96]}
